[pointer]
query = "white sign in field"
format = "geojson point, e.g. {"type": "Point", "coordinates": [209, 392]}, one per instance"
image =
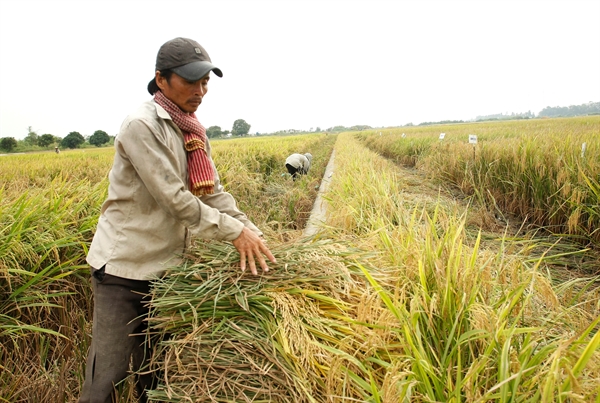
{"type": "Point", "coordinates": [442, 135]}
{"type": "Point", "coordinates": [472, 139]}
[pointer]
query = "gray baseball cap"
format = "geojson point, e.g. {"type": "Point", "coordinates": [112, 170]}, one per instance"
{"type": "Point", "coordinates": [186, 58]}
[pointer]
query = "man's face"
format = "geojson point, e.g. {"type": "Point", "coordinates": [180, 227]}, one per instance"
{"type": "Point", "coordinates": [187, 95]}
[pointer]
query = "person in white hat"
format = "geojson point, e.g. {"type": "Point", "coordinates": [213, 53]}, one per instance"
{"type": "Point", "coordinates": [298, 164]}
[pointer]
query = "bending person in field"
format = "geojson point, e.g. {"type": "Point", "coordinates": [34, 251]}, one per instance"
{"type": "Point", "coordinates": [164, 190]}
{"type": "Point", "coordinates": [298, 164]}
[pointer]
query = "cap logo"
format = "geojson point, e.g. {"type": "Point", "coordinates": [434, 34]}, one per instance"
{"type": "Point", "coordinates": [198, 50]}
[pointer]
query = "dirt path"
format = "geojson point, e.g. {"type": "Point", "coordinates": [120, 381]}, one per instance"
{"type": "Point", "coordinates": [565, 258]}
{"type": "Point", "coordinates": [418, 190]}
{"type": "Point", "coordinates": [319, 210]}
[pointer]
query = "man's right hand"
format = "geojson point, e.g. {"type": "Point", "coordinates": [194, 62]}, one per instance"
{"type": "Point", "coordinates": [252, 247]}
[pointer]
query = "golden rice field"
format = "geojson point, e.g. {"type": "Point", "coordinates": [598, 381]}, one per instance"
{"type": "Point", "coordinates": [415, 290]}
{"type": "Point", "coordinates": [546, 171]}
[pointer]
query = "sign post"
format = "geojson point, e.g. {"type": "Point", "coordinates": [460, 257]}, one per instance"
{"type": "Point", "coordinates": [473, 140]}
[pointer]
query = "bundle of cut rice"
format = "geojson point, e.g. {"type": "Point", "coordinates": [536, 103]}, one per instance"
{"type": "Point", "coordinates": [228, 336]}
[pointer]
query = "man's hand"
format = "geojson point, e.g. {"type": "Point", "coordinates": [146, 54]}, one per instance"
{"type": "Point", "coordinates": [251, 247]}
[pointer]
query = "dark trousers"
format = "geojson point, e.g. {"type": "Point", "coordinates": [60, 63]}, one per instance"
{"type": "Point", "coordinates": [295, 172]}
{"type": "Point", "coordinates": [118, 337]}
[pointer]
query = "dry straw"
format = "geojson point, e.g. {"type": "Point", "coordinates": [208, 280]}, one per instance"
{"type": "Point", "coordinates": [287, 336]}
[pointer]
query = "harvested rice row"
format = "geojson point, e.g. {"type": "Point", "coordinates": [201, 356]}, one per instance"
{"type": "Point", "coordinates": [280, 337]}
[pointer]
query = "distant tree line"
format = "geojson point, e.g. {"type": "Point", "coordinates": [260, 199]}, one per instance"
{"type": "Point", "coordinates": [35, 142]}
{"type": "Point", "coordinates": [511, 116]}
{"type": "Point", "coordinates": [348, 129]}
{"type": "Point", "coordinates": [294, 131]}
{"type": "Point", "coordinates": [591, 108]}
{"type": "Point", "coordinates": [240, 128]}
{"type": "Point", "coordinates": [333, 129]}
{"type": "Point", "coordinates": [441, 122]}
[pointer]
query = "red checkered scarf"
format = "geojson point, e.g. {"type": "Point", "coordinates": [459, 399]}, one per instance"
{"type": "Point", "coordinates": [200, 169]}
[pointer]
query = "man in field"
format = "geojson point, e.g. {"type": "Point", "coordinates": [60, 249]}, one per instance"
{"type": "Point", "coordinates": [298, 164]}
{"type": "Point", "coordinates": [164, 190]}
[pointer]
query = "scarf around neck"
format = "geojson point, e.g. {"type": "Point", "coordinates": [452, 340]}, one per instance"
{"type": "Point", "coordinates": [200, 169]}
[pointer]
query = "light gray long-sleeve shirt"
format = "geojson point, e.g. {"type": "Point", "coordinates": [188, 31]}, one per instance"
{"type": "Point", "coordinates": [299, 161]}
{"type": "Point", "coordinates": [150, 216]}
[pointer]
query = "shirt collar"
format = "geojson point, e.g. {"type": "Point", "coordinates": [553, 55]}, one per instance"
{"type": "Point", "coordinates": [161, 112]}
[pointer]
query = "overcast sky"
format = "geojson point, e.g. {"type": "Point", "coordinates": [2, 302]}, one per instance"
{"type": "Point", "coordinates": [84, 65]}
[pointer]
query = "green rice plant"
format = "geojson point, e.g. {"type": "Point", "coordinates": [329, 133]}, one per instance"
{"type": "Point", "coordinates": [43, 298]}
{"type": "Point", "coordinates": [42, 236]}
{"type": "Point", "coordinates": [472, 324]}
